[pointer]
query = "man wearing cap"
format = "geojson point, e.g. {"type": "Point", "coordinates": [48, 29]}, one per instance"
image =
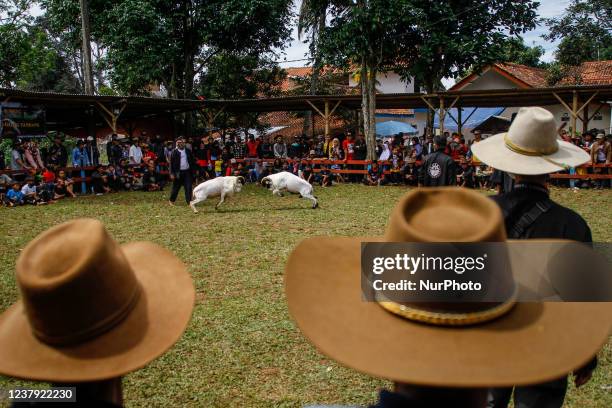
{"type": "Point", "coordinates": [182, 165]}
{"type": "Point", "coordinates": [135, 154]}
{"type": "Point", "coordinates": [79, 155]}
{"type": "Point", "coordinates": [438, 169]}
{"type": "Point", "coordinates": [440, 354]}
{"type": "Point", "coordinates": [601, 153]}
{"type": "Point", "coordinates": [529, 151]}
{"type": "Point", "coordinates": [86, 321]}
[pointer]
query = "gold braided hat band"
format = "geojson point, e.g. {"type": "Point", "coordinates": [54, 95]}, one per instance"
{"type": "Point", "coordinates": [449, 319]}
{"type": "Point", "coordinates": [525, 152]}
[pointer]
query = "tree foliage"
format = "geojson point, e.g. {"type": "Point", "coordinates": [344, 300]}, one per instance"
{"type": "Point", "coordinates": [515, 50]}
{"type": "Point", "coordinates": [585, 31]}
{"type": "Point", "coordinates": [28, 59]}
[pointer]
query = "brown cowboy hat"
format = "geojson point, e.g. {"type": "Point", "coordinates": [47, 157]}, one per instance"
{"type": "Point", "coordinates": [92, 309]}
{"type": "Point", "coordinates": [521, 343]}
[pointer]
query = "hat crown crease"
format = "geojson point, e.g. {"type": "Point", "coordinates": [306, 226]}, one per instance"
{"type": "Point", "coordinates": [70, 299]}
{"type": "Point", "coordinates": [424, 215]}
{"type": "Point", "coordinates": [533, 132]}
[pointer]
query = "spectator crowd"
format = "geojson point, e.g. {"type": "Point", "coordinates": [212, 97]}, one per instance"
{"type": "Point", "coordinates": [40, 176]}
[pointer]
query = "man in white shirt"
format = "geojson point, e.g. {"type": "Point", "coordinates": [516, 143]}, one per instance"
{"type": "Point", "coordinates": [135, 153]}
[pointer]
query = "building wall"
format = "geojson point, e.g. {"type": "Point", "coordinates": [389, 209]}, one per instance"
{"type": "Point", "coordinates": [489, 80]}
{"type": "Point", "coordinates": [493, 80]}
{"type": "Point", "coordinates": [388, 82]}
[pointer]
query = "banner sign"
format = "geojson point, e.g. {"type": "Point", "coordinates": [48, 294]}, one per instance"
{"type": "Point", "coordinates": [21, 121]}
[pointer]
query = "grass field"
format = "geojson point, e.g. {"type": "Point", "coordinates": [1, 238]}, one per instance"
{"type": "Point", "coordinates": [241, 348]}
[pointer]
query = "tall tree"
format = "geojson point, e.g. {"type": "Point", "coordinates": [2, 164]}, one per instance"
{"type": "Point", "coordinates": [454, 36]}
{"type": "Point", "coordinates": [585, 31]}
{"type": "Point", "coordinates": [28, 59]}
{"type": "Point", "coordinates": [369, 34]}
{"type": "Point", "coordinates": [172, 43]}
{"type": "Point", "coordinates": [86, 40]}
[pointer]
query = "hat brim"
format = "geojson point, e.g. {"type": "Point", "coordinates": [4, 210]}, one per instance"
{"type": "Point", "coordinates": [534, 342]}
{"type": "Point", "coordinates": [493, 151]}
{"type": "Point", "coordinates": [156, 323]}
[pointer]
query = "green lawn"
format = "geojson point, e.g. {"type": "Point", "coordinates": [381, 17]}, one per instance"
{"type": "Point", "coordinates": [241, 348]}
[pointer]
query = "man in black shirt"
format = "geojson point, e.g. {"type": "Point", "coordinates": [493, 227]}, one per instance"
{"type": "Point", "coordinates": [528, 152]}
{"type": "Point", "coordinates": [438, 169]}
{"type": "Point", "coordinates": [57, 154]}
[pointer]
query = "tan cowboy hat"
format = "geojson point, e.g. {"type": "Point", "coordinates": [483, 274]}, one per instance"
{"type": "Point", "coordinates": [513, 344]}
{"type": "Point", "coordinates": [530, 147]}
{"type": "Point", "coordinates": [91, 309]}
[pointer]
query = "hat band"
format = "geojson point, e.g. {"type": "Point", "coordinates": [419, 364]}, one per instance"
{"type": "Point", "coordinates": [526, 152]}
{"type": "Point", "coordinates": [449, 319]}
{"type": "Point", "coordinates": [95, 330]}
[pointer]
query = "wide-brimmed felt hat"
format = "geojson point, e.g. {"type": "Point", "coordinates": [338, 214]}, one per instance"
{"type": "Point", "coordinates": [530, 147]}
{"type": "Point", "coordinates": [513, 344]}
{"type": "Point", "coordinates": [91, 309]}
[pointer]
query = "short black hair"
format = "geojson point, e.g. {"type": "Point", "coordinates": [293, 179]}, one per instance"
{"type": "Point", "coordinates": [440, 141]}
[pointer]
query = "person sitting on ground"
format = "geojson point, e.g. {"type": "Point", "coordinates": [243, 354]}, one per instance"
{"type": "Point", "coordinates": [30, 192]}
{"type": "Point", "coordinates": [375, 176]}
{"type": "Point", "coordinates": [99, 181]}
{"type": "Point", "coordinates": [64, 185]}
{"type": "Point", "coordinates": [306, 172]}
{"type": "Point", "coordinates": [114, 179]}
{"type": "Point", "coordinates": [151, 178]}
{"type": "Point", "coordinates": [325, 176]}
{"type": "Point", "coordinates": [466, 174]}
{"type": "Point", "coordinates": [14, 196]}
{"type": "Point", "coordinates": [115, 309]}
{"type": "Point", "coordinates": [410, 172]}
{"type": "Point", "coordinates": [48, 186]}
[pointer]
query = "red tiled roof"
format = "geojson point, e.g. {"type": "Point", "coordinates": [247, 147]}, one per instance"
{"type": "Point", "coordinates": [590, 73]}
{"type": "Point", "coordinates": [294, 126]}
{"type": "Point", "coordinates": [534, 77]}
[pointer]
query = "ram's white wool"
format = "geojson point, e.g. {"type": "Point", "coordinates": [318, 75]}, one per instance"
{"type": "Point", "coordinates": [220, 186]}
{"type": "Point", "coordinates": [285, 181]}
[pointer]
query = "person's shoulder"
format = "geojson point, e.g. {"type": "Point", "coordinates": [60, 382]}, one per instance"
{"type": "Point", "coordinates": [563, 213]}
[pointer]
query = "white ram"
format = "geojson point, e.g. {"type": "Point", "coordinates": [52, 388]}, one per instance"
{"type": "Point", "coordinates": [285, 181]}
{"type": "Point", "coordinates": [220, 186]}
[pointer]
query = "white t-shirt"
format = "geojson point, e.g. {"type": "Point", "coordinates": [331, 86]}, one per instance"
{"type": "Point", "coordinates": [26, 189]}
{"type": "Point", "coordinates": [184, 162]}
{"type": "Point", "coordinates": [135, 154]}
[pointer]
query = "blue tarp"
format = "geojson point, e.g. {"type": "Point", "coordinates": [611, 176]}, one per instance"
{"type": "Point", "coordinates": [393, 127]}
{"type": "Point", "coordinates": [474, 120]}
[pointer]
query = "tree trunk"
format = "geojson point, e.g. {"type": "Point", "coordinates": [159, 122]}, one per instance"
{"type": "Point", "coordinates": [371, 136]}
{"type": "Point", "coordinates": [368, 108]}
{"type": "Point", "coordinates": [430, 112]}
{"type": "Point", "coordinates": [86, 38]}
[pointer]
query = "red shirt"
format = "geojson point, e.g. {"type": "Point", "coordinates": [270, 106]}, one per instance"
{"type": "Point", "coordinates": [149, 155]}
{"type": "Point", "coordinates": [252, 147]}
{"type": "Point", "coordinates": [349, 148]}
{"type": "Point", "coordinates": [48, 176]}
